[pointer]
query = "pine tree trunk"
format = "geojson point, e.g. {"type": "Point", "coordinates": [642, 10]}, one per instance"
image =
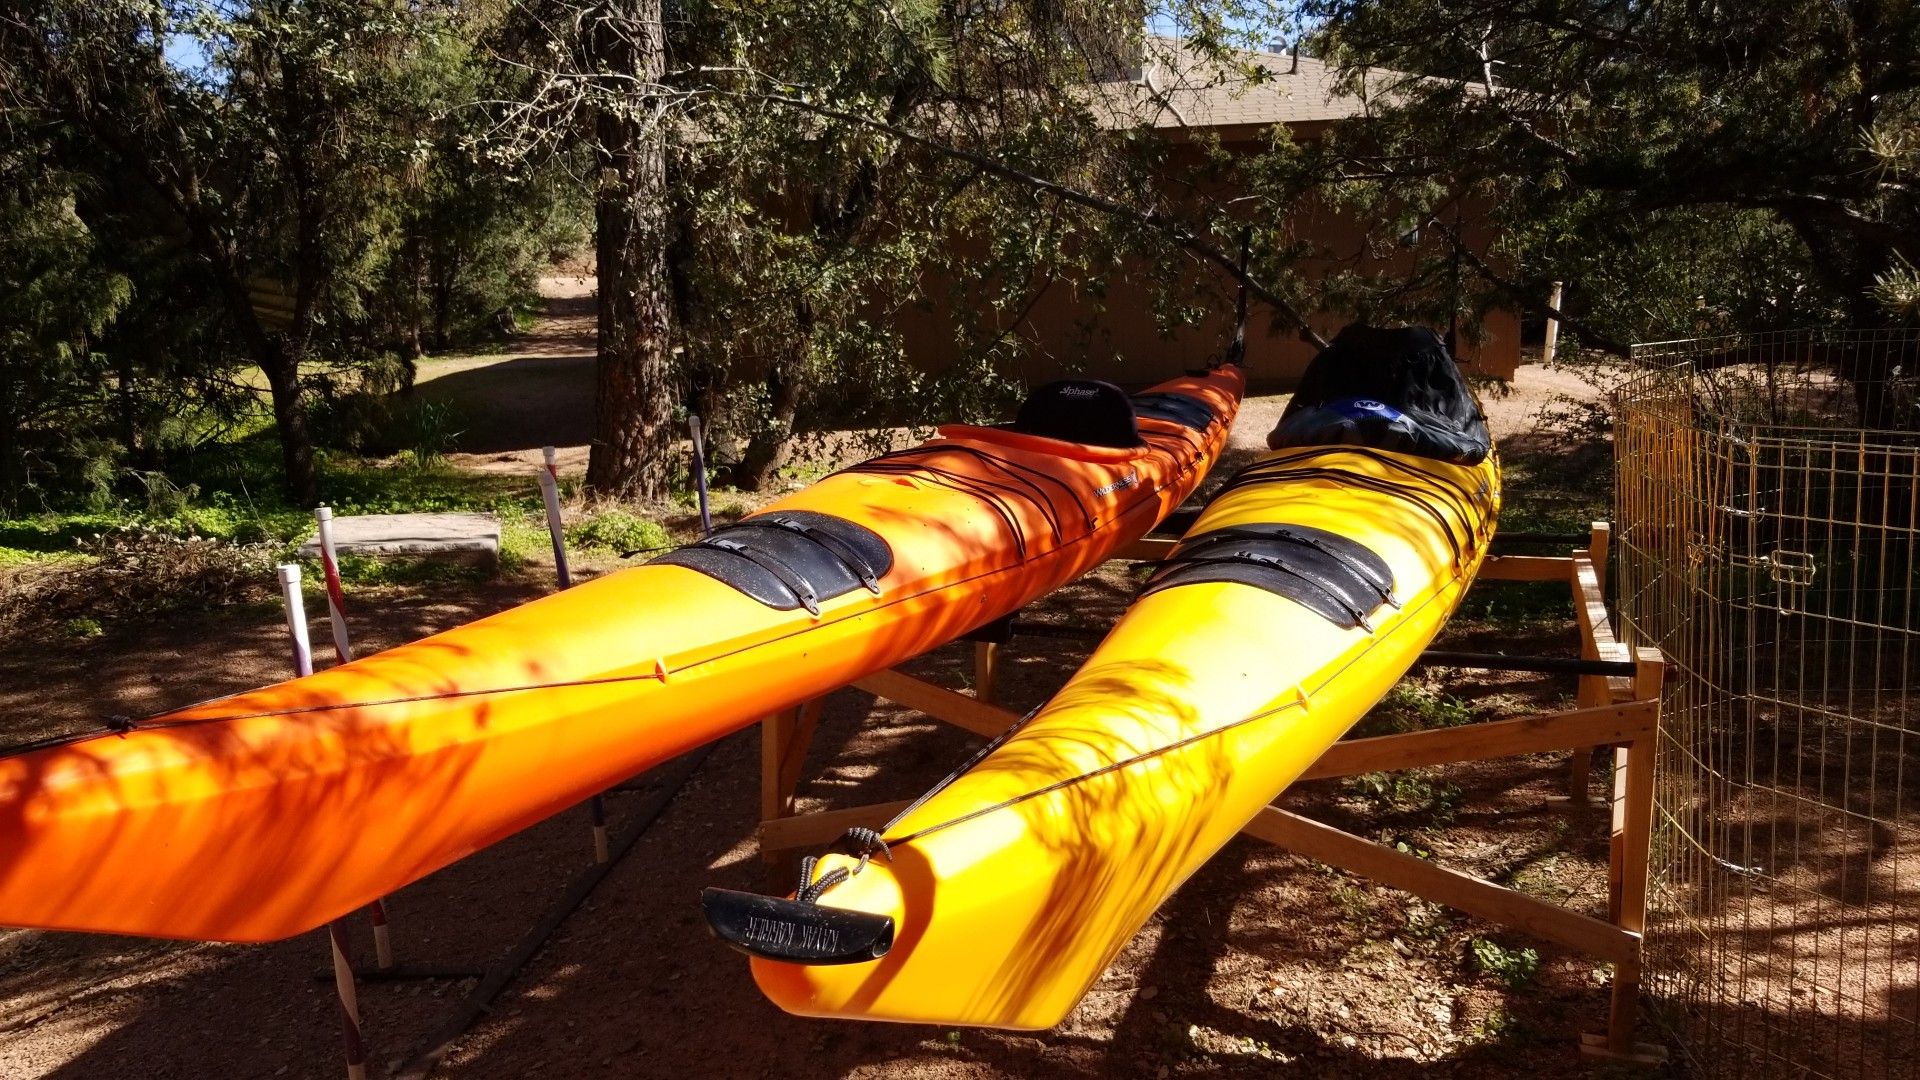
{"type": "Point", "coordinates": [10, 480]}
{"type": "Point", "coordinates": [769, 447]}
{"type": "Point", "coordinates": [282, 367]}
{"type": "Point", "coordinates": [633, 437]}
{"type": "Point", "coordinates": [413, 266]}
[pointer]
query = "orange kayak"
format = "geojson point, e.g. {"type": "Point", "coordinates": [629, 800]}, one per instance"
{"type": "Point", "coordinates": [265, 814]}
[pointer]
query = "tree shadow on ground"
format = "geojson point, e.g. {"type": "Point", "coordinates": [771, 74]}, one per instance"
{"type": "Point", "coordinates": [520, 403]}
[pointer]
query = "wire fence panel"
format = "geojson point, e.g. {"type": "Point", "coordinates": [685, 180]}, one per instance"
{"type": "Point", "coordinates": [1770, 546]}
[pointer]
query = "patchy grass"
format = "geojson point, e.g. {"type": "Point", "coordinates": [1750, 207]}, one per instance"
{"type": "Point", "coordinates": [1410, 706]}
{"type": "Point", "coordinates": [1516, 967]}
{"type": "Point", "coordinates": [1411, 795]}
{"type": "Point", "coordinates": [620, 531]}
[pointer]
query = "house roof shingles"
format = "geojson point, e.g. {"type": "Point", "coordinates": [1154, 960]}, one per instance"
{"type": "Point", "coordinates": [1174, 87]}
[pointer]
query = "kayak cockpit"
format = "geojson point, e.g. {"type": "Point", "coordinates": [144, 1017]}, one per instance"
{"type": "Point", "coordinates": [1396, 390]}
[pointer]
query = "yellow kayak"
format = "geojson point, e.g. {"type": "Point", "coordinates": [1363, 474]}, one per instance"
{"type": "Point", "coordinates": [1302, 593]}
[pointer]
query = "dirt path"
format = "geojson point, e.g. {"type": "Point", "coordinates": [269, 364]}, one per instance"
{"type": "Point", "coordinates": [536, 392]}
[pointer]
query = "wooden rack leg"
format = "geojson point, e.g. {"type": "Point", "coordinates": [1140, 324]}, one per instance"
{"type": "Point", "coordinates": [786, 736]}
{"type": "Point", "coordinates": [986, 669]}
{"type": "Point", "coordinates": [1629, 852]}
{"type": "Point", "coordinates": [1593, 689]}
{"type": "Point", "coordinates": [784, 739]}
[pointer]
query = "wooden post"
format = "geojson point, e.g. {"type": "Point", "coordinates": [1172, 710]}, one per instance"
{"type": "Point", "coordinates": [986, 669]}
{"type": "Point", "coordinates": [1587, 578]}
{"type": "Point", "coordinates": [1599, 545]}
{"type": "Point", "coordinates": [1591, 690]}
{"type": "Point", "coordinates": [776, 736]}
{"type": "Point", "coordinates": [1629, 852]}
{"type": "Point", "coordinates": [296, 610]}
{"type": "Point", "coordinates": [784, 738]}
{"type": "Point", "coordinates": [1553, 327]}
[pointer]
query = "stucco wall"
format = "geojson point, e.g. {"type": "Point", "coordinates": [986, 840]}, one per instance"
{"type": "Point", "coordinates": [1114, 335]}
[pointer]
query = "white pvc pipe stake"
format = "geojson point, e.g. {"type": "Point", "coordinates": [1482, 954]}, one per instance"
{"type": "Point", "coordinates": [296, 619]}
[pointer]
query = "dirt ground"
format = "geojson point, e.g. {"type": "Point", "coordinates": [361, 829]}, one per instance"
{"type": "Point", "coordinates": [1265, 964]}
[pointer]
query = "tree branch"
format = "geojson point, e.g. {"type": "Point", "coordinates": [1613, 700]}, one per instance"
{"type": "Point", "coordinates": [1167, 227]}
{"type": "Point", "coordinates": [1588, 335]}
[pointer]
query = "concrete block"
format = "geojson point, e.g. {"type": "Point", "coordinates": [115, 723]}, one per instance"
{"type": "Point", "coordinates": [465, 537]}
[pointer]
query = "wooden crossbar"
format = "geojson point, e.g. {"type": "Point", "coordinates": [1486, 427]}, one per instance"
{"type": "Point", "coordinates": [1524, 568]}
{"type": "Point", "coordinates": [1431, 881]}
{"type": "Point", "coordinates": [938, 702]}
{"type": "Point", "coordinates": [1605, 726]}
{"type": "Point", "coordinates": [812, 830]}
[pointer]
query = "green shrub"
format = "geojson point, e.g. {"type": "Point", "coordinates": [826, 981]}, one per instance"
{"type": "Point", "coordinates": [1411, 707]}
{"type": "Point", "coordinates": [136, 571]}
{"type": "Point", "coordinates": [1515, 967]}
{"type": "Point", "coordinates": [429, 430]}
{"type": "Point", "coordinates": [1411, 793]}
{"type": "Point", "coordinates": [614, 529]}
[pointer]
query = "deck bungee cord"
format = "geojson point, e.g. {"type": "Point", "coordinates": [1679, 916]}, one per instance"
{"type": "Point", "coordinates": [1407, 493]}
{"type": "Point", "coordinates": [913, 460]}
{"type": "Point", "coordinates": [994, 493]}
{"type": "Point", "coordinates": [1464, 497]}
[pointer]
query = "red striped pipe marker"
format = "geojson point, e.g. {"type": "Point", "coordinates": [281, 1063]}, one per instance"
{"type": "Point", "coordinates": [296, 609]}
{"type": "Point", "coordinates": [343, 651]}
{"type": "Point", "coordinates": [336, 599]}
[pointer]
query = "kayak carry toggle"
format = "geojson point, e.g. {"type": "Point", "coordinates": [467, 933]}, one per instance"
{"type": "Point", "coordinates": [795, 931]}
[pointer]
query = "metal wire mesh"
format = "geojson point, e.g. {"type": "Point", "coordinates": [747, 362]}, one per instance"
{"type": "Point", "coordinates": [1769, 543]}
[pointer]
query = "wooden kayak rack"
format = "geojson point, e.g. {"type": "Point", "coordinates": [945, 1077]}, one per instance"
{"type": "Point", "coordinates": [1618, 707]}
